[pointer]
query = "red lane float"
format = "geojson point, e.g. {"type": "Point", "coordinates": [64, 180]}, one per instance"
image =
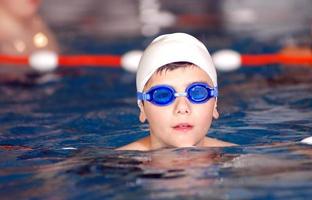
{"type": "Point", "coordinates": [227, 60]}
{"type": "Point", "coordinates": [87, 60]}
{"type": "Point", "coordinates": [274, 58]}
{"type": "Point", "coordinates": [18, 60]}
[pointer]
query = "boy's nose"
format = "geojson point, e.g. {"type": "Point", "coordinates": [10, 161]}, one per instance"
{"type": "Point", "coordinates": [182, 106]}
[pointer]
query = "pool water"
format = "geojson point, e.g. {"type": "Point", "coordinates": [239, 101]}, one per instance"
{"type": "Point", "coordinates": [58, 138]}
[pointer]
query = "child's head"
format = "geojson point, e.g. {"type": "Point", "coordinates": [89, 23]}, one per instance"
{"type": "Point", "coordinates": [178, 84]}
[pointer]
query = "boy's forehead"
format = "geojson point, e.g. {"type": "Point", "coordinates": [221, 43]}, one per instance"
{"type": "Point", "coordinates": [179, 76]}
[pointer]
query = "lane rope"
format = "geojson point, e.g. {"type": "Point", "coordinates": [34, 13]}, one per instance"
{"type": "Point", "coordinates": [46, 61]}
{"type": "Point", "coordinates": [224, 60]}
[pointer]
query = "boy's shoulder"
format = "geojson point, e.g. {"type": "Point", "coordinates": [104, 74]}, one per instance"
{"type": "Point", "coordinates": [140, 145]}
{"type": "Point", "coordinates": [144, 144]}
{"type": "Point", "coordinates": [211, 142]}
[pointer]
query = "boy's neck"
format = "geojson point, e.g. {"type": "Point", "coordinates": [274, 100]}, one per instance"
{"type": "Point", "coordinates": [155, 143]}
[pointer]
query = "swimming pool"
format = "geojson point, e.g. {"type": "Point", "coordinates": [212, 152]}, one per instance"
{"type": "Point", "coordinates": [62, 134]}
{"type": "Point", "coordinates": [57, 138]}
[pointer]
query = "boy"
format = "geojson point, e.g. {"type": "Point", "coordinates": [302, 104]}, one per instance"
{"type": "Point", "coordinates": [176, 90]}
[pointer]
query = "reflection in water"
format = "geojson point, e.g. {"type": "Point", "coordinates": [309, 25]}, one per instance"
{"type": "Point", "coordinates": [158, 174]}
{"type": "Point", "coordinates": [168, 173]}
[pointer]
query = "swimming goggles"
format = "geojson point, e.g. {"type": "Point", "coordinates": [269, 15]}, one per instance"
{"type": "Point", "coordinates": [163, 95]}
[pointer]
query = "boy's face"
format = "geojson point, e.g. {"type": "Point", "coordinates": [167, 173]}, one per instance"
{"type": "Point", "coordinates": [182, 123]}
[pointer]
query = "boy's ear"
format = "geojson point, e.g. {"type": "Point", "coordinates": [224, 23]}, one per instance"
{"type": "Point", "coordinates": [215, 112]}
{"type": "Point", "coordinates": [142, 115]}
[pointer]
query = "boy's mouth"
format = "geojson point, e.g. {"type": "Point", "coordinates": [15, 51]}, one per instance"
{"type": "Point", "coordinates": [184, 127]}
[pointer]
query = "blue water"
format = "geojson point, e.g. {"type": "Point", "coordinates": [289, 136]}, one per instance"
{"type": "Point", "coordinates": [57, 140]}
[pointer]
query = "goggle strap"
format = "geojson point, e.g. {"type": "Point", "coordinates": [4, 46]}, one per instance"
{"type": "Point", "coordinates": [214, 92]}
{"type": "Point", "coordinates": [143, 96]}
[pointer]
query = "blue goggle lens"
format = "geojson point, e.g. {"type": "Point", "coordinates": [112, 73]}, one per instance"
{"type": "Point", "coordinates": [162, 96]}
{"type": "Point", "coordinates": [198, 93]}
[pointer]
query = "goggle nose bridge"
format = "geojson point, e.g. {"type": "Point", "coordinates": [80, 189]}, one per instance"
{"type": "Point", "coordinates": [180, 94]}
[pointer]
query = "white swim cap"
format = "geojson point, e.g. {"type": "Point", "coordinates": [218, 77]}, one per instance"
{"type": "Point", "coordinates": [175, 47]}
